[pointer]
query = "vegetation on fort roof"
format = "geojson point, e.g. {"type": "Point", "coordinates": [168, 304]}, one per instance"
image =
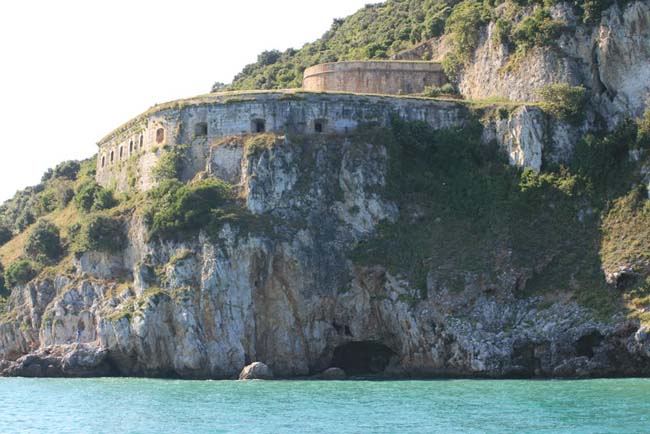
{"type": "Point", "coordinates": [379, 31]}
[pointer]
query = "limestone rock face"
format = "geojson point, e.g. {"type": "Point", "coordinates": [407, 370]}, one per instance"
{"type": "Point", "coordinates": [611, 59]}
{"type": "Point", "coordinates": [256, 371]}
{"type": "Point", "coordinates": [287, 293]}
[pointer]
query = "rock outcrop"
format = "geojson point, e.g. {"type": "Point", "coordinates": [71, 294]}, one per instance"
{"type": "Point", "coordinates": [612, 59]}
{"type": "Point", "coordinates": [256, 371]}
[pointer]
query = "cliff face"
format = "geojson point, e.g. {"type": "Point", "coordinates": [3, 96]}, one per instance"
{"type": "Point", "coordinates": [612, 59]}
{"type": "Point", "coordinates": [287, 293]}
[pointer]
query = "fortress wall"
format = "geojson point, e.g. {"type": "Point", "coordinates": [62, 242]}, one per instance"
{"type": "Point", "coordinates": [392, 78]}
{"type": "Point", "coordinates": [222, 117]}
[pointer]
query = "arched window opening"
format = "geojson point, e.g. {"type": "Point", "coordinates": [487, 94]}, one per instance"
{"type": "Point", "coordinates": [121, 152]}
{"type": "Point", "coordinates": [160, 135]}
{"type": "Point", "coordinates": [103, 160]}
{"type": "Point", "coordinates": [141, 141]}
{"type": "Point", "coordinates": [259, 126]}
{"type": "Point", "coordinates": [112, 156]}
{"type": "Point", "coordinates": [131, 147]}
{"type": "Point", "coordinates": [201, 129]}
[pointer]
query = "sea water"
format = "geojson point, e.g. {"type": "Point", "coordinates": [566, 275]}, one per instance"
{"type": "Point", "coordinates": [453, 406]}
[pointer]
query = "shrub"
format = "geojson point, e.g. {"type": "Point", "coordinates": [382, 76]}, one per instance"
{"type": "Point", "coordinates": [463, 24]}
{"type": "Point", "coordinates": [5, 235]}
{"type": "Point", "coordinates": [67, 170]}
{"type": "Point", "coordinates": [169, 166]}
{"type": "Point", "coordinates": [20, 272]}
{"type": "Point", "coordinates": [643, 133]}
{"type": "Point", "coordinates": [432, 91]}
{"type": "Point", "coordinates": [3, 289]}
{"type": "Point", "coordinates": [99, 233]}
{"type": "Point", "coordinates": [92, 197]}
{"type": "Point", "coordinates": [502, 32]}
{"type": "Point", "coordinates": [603, 159]}
{"type": "Point", "coordinates": [565, 102]}
{"type": "Point", "coordinates": [538, 29]}
{"type": "Point", "coordinates": [176, 207]}
{"type": "Point", "coordinates": [44, 242]}
{"type": "Point", "coordinates": [435, 91]}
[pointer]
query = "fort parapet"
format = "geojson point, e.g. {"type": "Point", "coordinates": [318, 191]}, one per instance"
{"type": "Point", "coordinates": [374, 77]}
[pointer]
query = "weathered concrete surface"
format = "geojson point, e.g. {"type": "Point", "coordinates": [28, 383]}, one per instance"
{"type": "Point", "coordinates": [374, 77]}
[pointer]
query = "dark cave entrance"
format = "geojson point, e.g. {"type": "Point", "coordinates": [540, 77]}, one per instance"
{"type": "Point", "coordinates": [362, 358]}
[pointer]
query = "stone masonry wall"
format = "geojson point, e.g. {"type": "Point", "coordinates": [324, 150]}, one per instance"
{"type": "Point", "coordinates": [127, 155]}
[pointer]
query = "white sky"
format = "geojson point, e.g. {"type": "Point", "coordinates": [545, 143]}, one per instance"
{"type": "Point", "coordinates": [71, 71]}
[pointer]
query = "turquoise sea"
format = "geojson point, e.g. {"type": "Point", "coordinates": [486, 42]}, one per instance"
{"type": "Point", "coordinates": [462, 406]}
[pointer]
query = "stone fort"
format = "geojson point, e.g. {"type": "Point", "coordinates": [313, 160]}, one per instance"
{"type": "Point", "coordinates": [336, 98]}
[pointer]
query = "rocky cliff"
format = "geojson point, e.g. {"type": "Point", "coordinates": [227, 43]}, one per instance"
{"type": "Point", "coordinates": [611, 58]}
{"type": "Point", "coordinates": [502, 242]}
{"type": "Point", "coordinates": [287, 288]}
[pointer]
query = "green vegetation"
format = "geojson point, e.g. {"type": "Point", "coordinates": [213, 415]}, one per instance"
{"type": "Point", "coordinates": [5, 235]}
{"type": "Point", "coordinates": [54, 192]}
{"type": "Point", "coordinates": [379, 31]}
{"type": "Point", "coordinates": [20, 272]}
{"type": "Point", "coordinates": [445, 90]}
{"type": "Point", "coordinates": [170, 164]}
{"type": "Point", "coordinates": [101, 233]}
{"type": "Point", "coordinates": [90, 196]}
{"type": "Point", "coordinates": [462, 25]}
{"type": "Point", "coordinates": [257, 143]}
{"type": "Point", "coordinates": [3, 289]}
{"type": "Point", "coordinates": [467, 217]}
{"type": "Point", "coordinates": [44, 243]}
{"type": "Point", "coordinates": [626, 232]}
{"type": "Point", "coordinates": [177, 208]}
{"type": "Point", "coordinates": [565, 102]}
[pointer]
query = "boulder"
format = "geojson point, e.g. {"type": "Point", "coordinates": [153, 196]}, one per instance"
{"type": "Point", "coordinates": [75, 360]}
{"type": "Point", "coordinates": [256, 371]}
{"type": "Point", "coordinates": [332, 374]}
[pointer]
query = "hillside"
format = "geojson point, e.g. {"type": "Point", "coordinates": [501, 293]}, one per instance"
{"type": "Point", "coordinates": [391, 236]}
{"type": "Point", "coordinates": [384, 30]}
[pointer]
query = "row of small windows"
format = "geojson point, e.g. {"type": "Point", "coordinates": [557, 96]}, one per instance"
{"type": "Point", "coordinates": [259, 126]}
{"type": "Point", "coordinates": [132, 148]}
{"type": "Point", "coordinates": [201, 130]}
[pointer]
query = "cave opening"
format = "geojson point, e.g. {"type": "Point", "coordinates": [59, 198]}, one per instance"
{"type": "Point", "coordinates": [362, 358]}
{"type": "Point", "coordinates": [586, 344]}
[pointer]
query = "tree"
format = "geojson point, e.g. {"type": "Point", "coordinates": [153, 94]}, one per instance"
{"type": "Point", "coordinates": [565, 102]}
{"type": "Point", "coordinates": [44, 242]}
{"type": "Point", "coordinates": [3, 289]}
{"type": "Point", "coordinates": [19, 272]}
{"type": "Point", "coordinates": [5, 235]}
{"type": "Point", "coordinates": [101, 233]}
